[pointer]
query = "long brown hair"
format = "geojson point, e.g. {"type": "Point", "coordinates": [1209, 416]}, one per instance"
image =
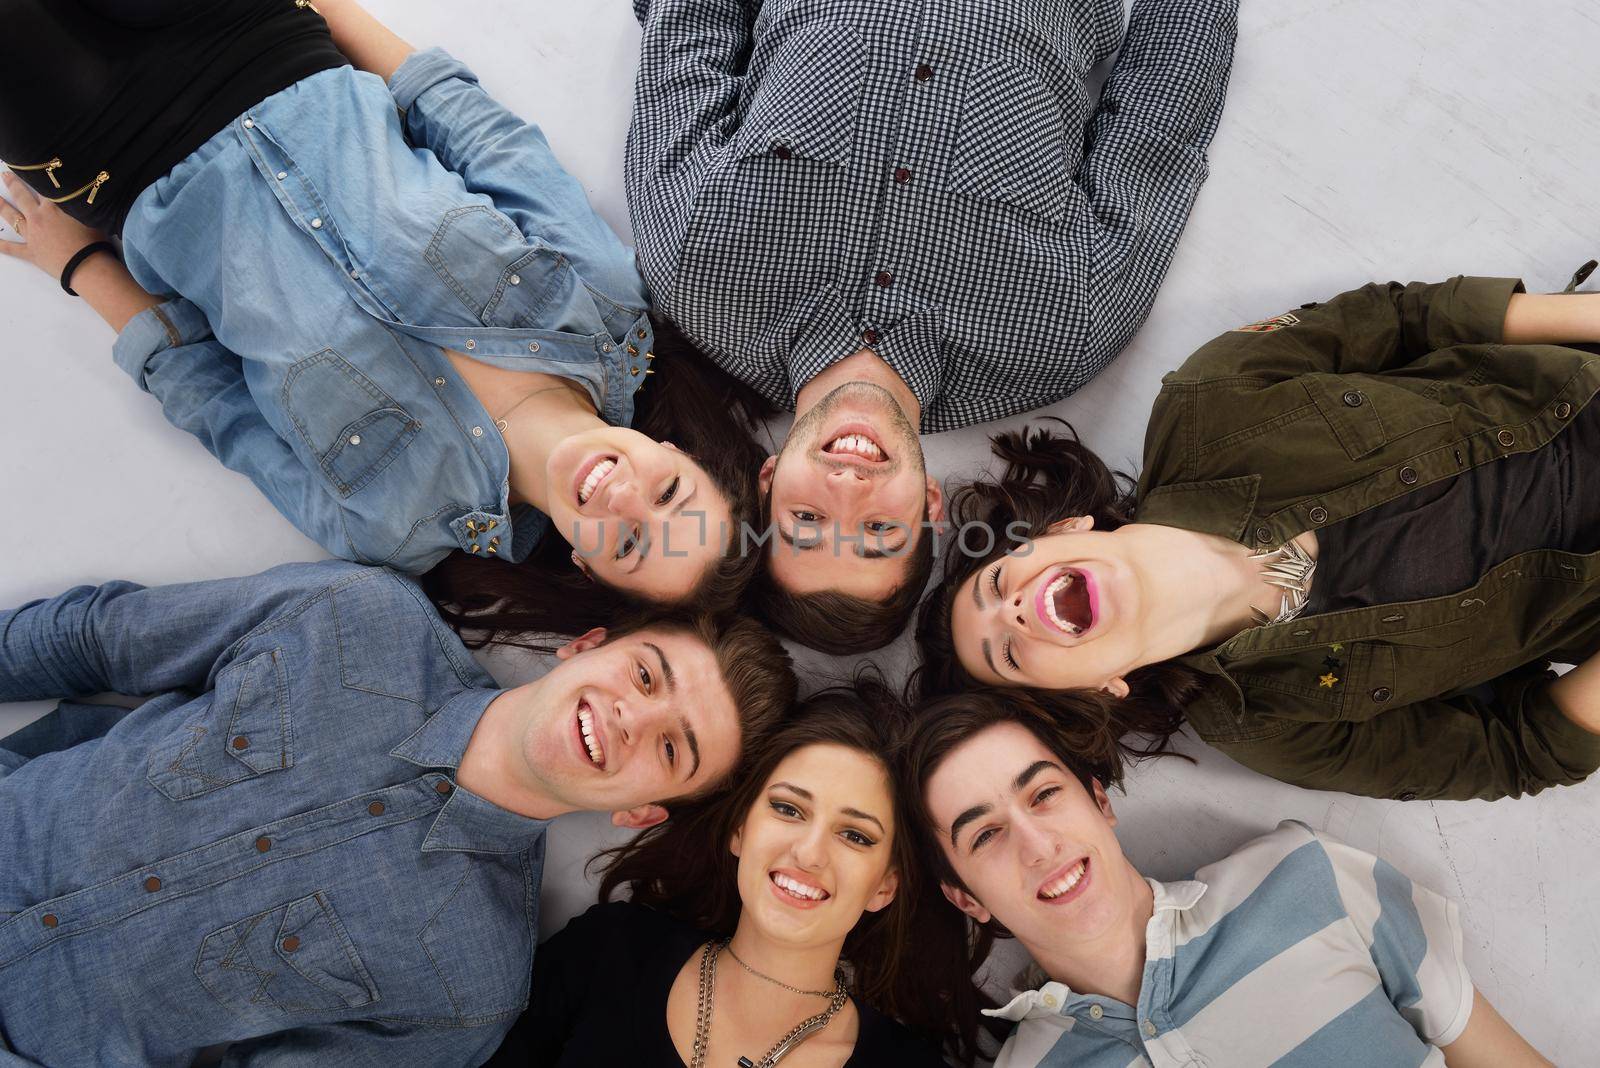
{"type": "Point", "coordinates": [909, 960]}
{"type": "Point", "coordinates": [690, 402]}
{"type": "Point", "coordinates": [1048, 477]}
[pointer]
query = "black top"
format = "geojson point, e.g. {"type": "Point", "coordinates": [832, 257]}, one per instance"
{"type": "Point", "coordinates": [132, 87]}
{"type": "Point", "coordinates": [1447, 536]}
{"type": "Point", "coordinates": [600, 991]}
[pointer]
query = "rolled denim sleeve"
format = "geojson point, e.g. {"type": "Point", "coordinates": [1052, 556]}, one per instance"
{"type": "Point", "coordinates": [1451, 748]}
{"type": "Point", "coordinates": [121, 637]}
{"type": "Point", "coordinates": [170, 352]}
{"type": "Point", "coordinates": [499, 155]}
{"type": "Point", "coordinates": [1146, 151]}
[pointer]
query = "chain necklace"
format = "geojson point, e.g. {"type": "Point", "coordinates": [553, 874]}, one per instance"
{"type": "Point", "coordinates": [801, 1031]}
{"type": "Point", "coordinates": [777, 982]}
{"type": "Point", "coordinates": [1289, 568]}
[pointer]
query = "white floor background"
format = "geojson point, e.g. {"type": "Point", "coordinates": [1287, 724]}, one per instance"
{"type": "Point", "coordinates": [1363, 140]}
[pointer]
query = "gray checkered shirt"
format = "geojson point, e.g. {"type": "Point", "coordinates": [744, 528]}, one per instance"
{"type": "Point", "coordinates": [926, 178]}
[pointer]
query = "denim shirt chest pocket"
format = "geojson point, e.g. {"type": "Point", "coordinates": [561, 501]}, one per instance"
{"type": "Point", "coordinates": [352, 428]}
{"type": "Point", "coordinates": [504, 278]}
{"type": "Point", "coordinates": [294, 959]}
{"type": "Point", "coordinates": [245, 732]}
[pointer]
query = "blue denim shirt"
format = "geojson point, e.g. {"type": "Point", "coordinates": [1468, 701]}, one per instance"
{"type": "Point", "coordinates": [271, 852]}
{"type": "Point", "coordinates": [325, 262]}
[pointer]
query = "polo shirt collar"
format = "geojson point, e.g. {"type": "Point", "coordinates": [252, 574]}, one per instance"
{"type": "Point", "coordinates": [1038, 996]}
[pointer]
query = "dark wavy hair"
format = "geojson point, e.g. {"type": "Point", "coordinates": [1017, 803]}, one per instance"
{"type": "Point", "coordinates": [1050, 476]}
{"type": "Point", "coordinates": [910, 960]}
{"type": "Point", "coordinates": [688, 401]}
{"type": "Point", "coordinates": [842, 624]}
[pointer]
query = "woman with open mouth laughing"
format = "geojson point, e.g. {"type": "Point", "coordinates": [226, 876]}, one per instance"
{"type": "Point", "coordinates": [782, 920]}
{"type": "Point", "coordinates": [1351, 517]}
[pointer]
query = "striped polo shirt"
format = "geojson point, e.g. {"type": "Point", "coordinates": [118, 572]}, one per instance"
{"type": "Point", "coordinates": [1296, 950]}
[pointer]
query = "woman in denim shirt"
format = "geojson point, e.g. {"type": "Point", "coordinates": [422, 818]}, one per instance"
{"type": "Point", "coordinates": [407, 327]}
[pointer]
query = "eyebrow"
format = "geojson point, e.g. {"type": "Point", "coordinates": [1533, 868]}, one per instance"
{"type": "Point", "coordinates": [879, 554]}
{"type": "Point", "coordinates": [1018, 784]}
{"type": "Point", "coordinates": [694, 744]}
{"type": "Point", "coordinates": [809, 796]}
{"type": "Point", "coordinates": [977, 590]}
{"type": "Point", "coordinates": [788, 539]}
{"type": "Point", "coordinates": [666, 668]}
{"type": "Point", "coordinates": [988, 656]}
{"type": "Point", "coordinates": [973, 813]}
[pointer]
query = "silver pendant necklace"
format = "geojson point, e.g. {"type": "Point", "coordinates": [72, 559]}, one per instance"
{"type": "Point", "coordinates": [799, 1033]}
{"type": "Point", "coordinates": [1289, 568]}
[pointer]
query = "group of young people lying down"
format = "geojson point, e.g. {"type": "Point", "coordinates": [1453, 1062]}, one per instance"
{"type": "Point", "coordinates": [1357, 543]}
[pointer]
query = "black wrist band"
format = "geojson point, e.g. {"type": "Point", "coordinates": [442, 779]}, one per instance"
{"type": "Point", "coordinates": [82, 254]}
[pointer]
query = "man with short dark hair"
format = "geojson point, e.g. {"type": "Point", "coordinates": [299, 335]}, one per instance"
{"type": "Point", "coordinates": [322, 840]}
{"type": "Point", "coordinates": [1295, 949]}
{"type": "Point", "coordinates": [895, 216]}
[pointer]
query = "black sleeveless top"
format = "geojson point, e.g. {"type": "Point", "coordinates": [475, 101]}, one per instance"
{"type": "Point", "coordinates": [600, 990]}
{"type": "Point", "coordinates": [129, 88]}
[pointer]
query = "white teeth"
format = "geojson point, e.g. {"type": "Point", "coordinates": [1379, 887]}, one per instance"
{"type": "Point", "coordinates": [1050, 592]}
{"type": "Point", "coordinates": [597, 475]}
{"type": "Point", "coordinates": [855, 445]}
{"type": "Point", "coordinates": [590, 742]}
{"type": "Point", "coordinates": [797, 888]}
{"type": "Point", "coordinates": [1063, 884]}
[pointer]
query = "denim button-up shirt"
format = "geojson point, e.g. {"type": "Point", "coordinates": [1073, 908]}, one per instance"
{"type": "Point", "coordinates": [328, 249]}
{"type": "Point", "coordinates": [272, 852]}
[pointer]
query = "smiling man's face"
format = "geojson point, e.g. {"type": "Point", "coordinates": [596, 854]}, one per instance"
{"type": "Point", "coordinates": [849, 496]}
{"type": "Point", "coordinates": [624, 724]}
{"type": "Point", "coordinates": [1032, 847]}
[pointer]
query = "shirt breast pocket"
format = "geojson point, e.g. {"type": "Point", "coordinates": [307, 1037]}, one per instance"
{"type": "Point", "coordinates": [353, 428]}
{"type": "Point", "coordinates": [805, 107]}
{"type": "Point", "coordinates": [1011, 147]}
{"type": "Point", "coordinates": [500, 276]}
{"type": "Point", "coordinates": [294, 959]}
{"type": "Point", "coordinates": [244, 733]}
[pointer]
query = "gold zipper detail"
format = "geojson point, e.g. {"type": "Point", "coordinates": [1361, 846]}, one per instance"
{"type": "Point", "coordinates": [92, 188]}
{"type": "Point", "coordinates": [48, 168]}
{"type": "Point", "coordinates": [303, 4]}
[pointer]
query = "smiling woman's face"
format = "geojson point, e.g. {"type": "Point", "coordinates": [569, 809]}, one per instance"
{"type": "Point", "coordinates": [642, 516]}
{"type": "Point", "coordinates": [1064, 612]}
{"type": "Point", "coordinates": [814, 850]}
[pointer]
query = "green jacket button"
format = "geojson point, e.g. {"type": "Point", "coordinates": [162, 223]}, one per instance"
{"type": "Point", "coordinates": [1382, 694]}
{"type": "Point", "coordinates": [1506, 438]}
{"type": "Point", "coordinates": [1563, 410]}
{"type": "Point", "coordinates": [1408, 475]}
{"type": "Point", "coordinates": [1319, 514]}
{"type": "Point", "coordinates": [1353, 398]}
{"type": "Point", "coordinates": [1263, 534]}
{"type": "Point", "coordinates": [1408, 796]}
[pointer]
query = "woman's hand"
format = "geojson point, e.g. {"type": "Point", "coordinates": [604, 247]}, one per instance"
{"type": "Point", "coordinates": [50, 237]}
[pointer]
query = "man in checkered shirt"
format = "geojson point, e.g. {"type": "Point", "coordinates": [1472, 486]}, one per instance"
{"type": "Point", "coordinates": [902, 214]}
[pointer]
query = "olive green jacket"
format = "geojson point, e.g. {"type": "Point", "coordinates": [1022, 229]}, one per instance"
{"type": "Point", "coordinates": [1318, 415]}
